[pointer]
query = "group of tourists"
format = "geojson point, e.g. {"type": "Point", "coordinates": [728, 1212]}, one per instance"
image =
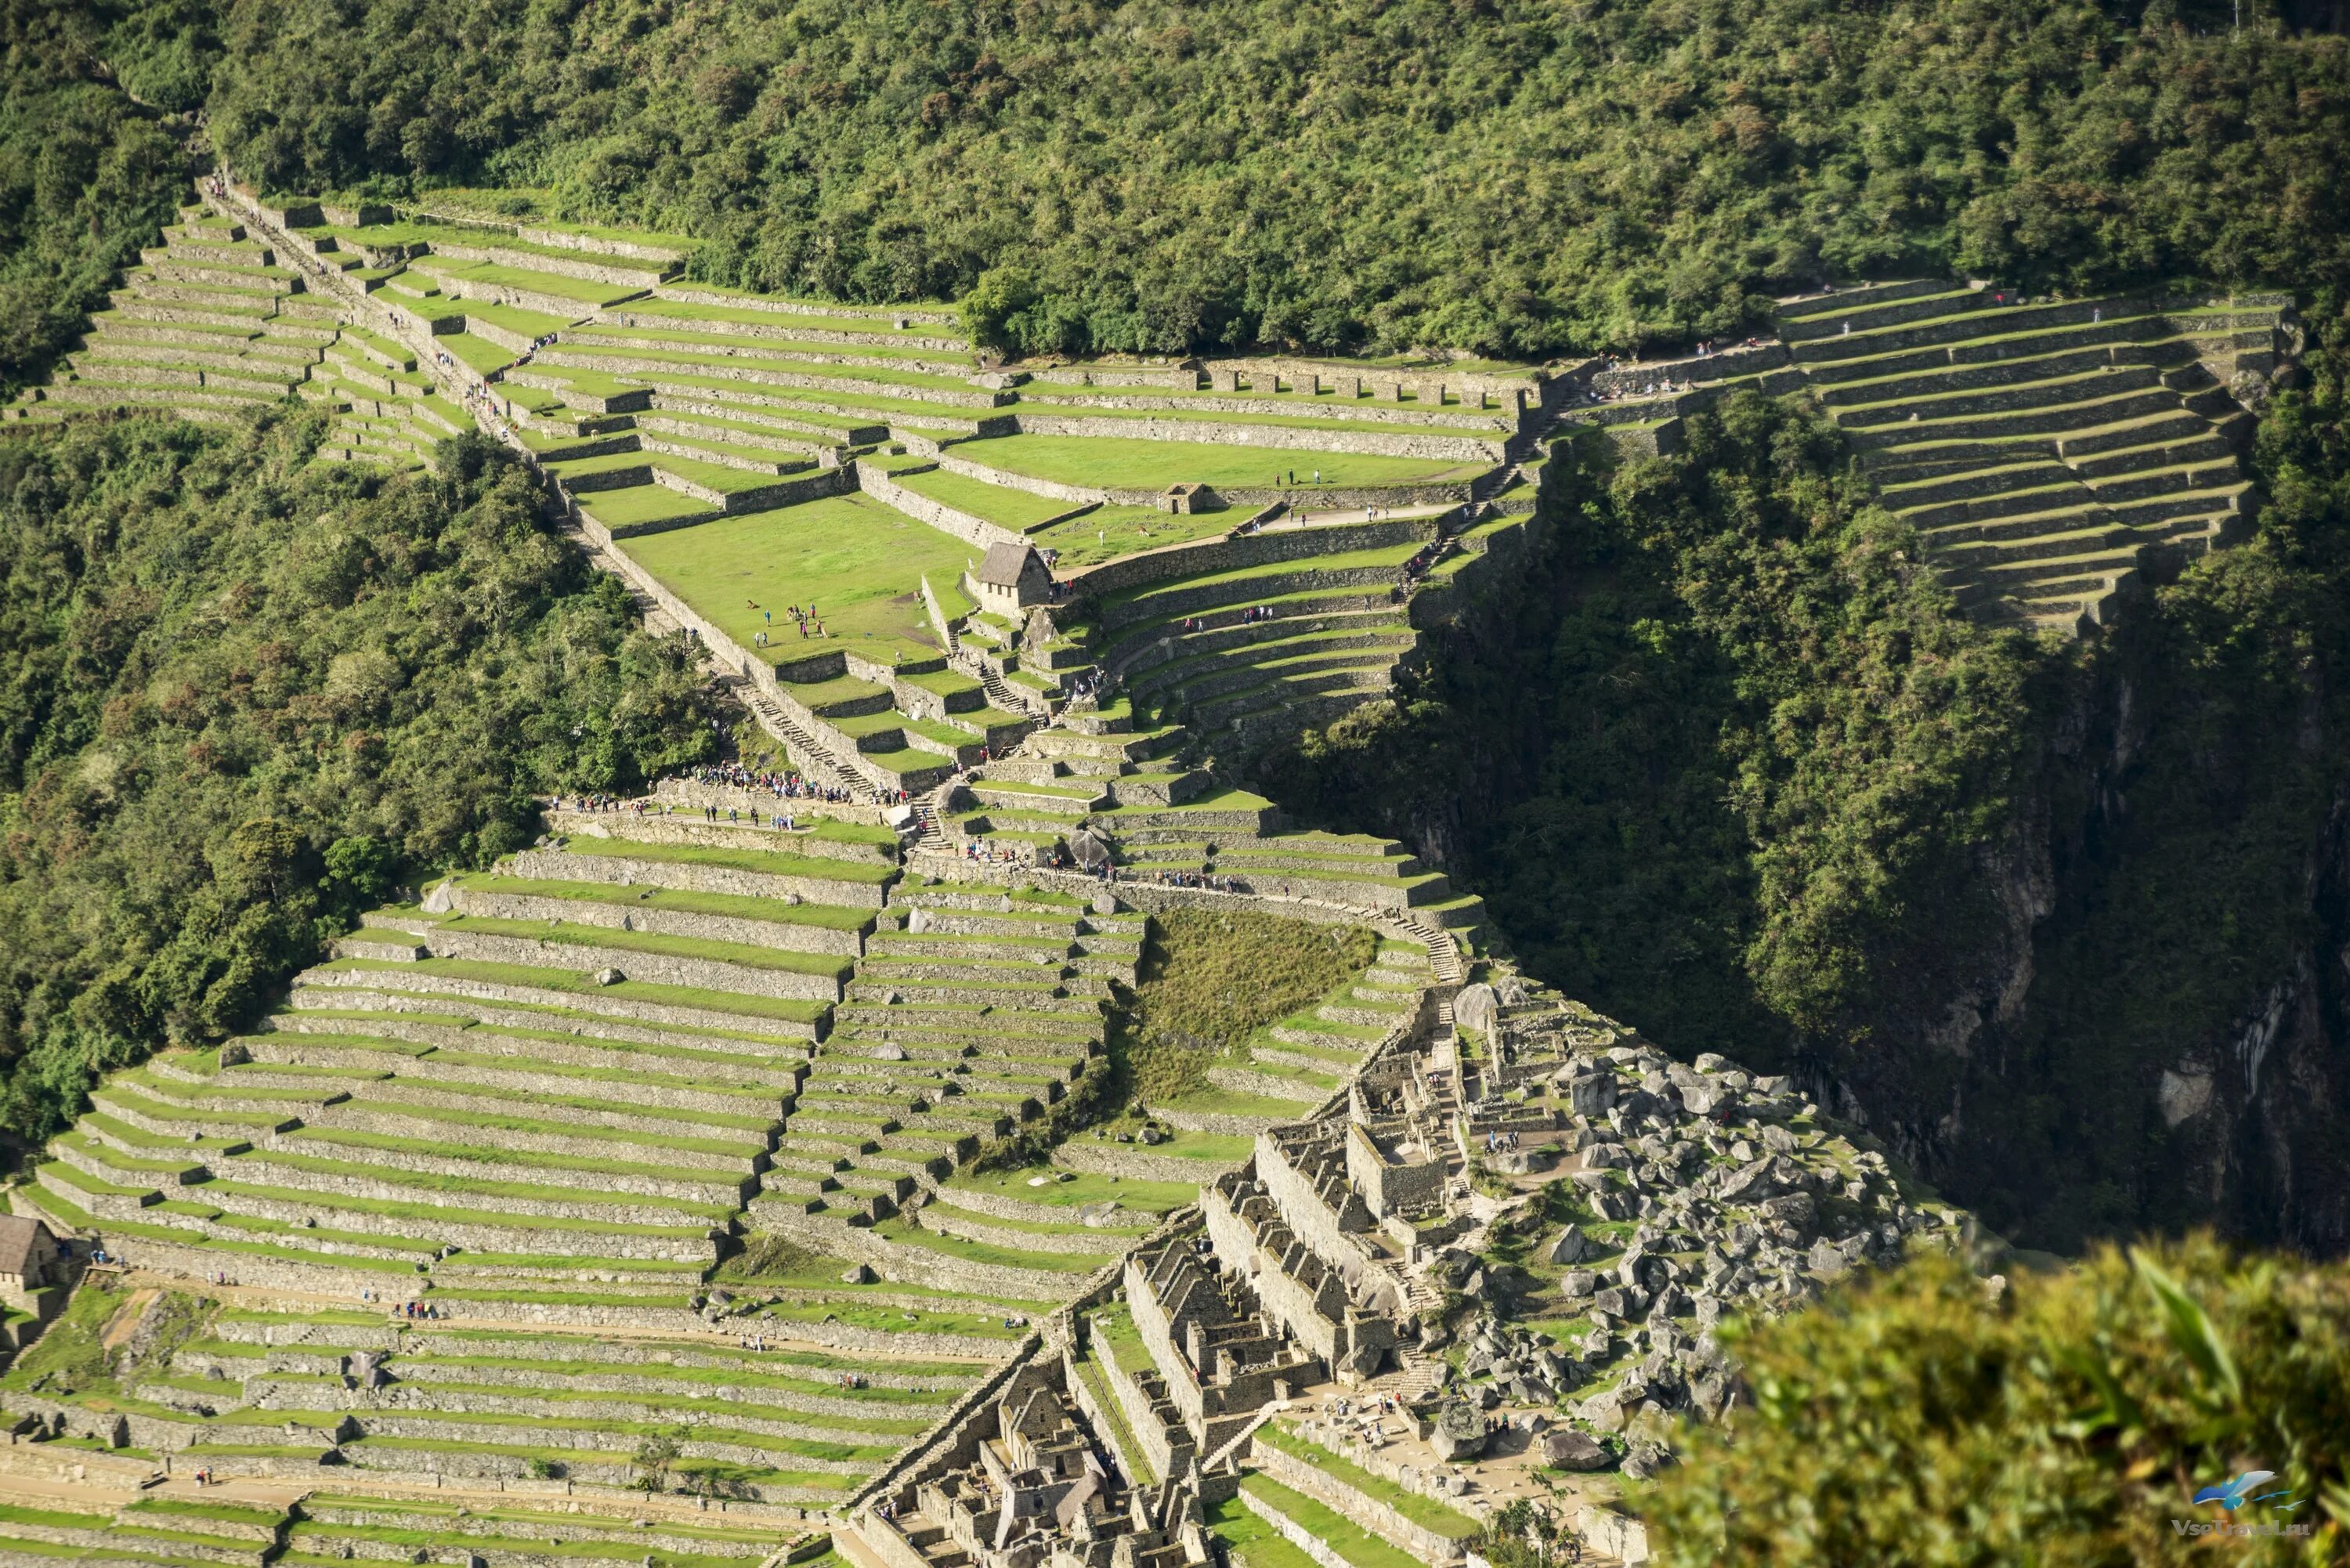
{"type": "Point", "coordinates": [783, 785]}
{"type": "Point", "coordinates": [1500, 1142]}
{"type": "Point", "coordinates": [805, 616]}
{"type": "Point", "coordinates": [599, 803]}
{"type": "Point", "coordinates": [1202, 880]}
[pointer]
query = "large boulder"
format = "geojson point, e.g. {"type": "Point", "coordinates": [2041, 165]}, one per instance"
{"type": "Point", "coordinates": [1571, 1247]}
{"type": "Point", "coordinates": [1457, 1432]}
{"type": "Point", "coordinates": [1477, 1007]}
{"type": "Point", "coordinates": [1569, 1450]}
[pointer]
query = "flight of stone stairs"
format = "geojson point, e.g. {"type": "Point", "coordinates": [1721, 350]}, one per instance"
{"type": "Point", "coordinates": [2047, 452]}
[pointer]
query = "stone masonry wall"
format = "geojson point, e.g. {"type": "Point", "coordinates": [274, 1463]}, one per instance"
{"type": "Point", "coordinates": [495, 905]}
{"type": "Point", "coordinates": [1264, 548]}
{"type": "Point", "coordinates": [1288, 1301]}
{"type": "Point", "coordinates": [1308, 1218]}
{"type": "Point", "coordinates": [977, 532]}
{"type": "Point", "coordinates": [1431, 382]}
{"type": "Point", "coordinates": [616, 869]}
{"type": "Point", "coordinates": [1158, 1334]}
{"type": "Point", "coordinates": [1381, 1518]}
{"type": "Point", "coordinates": [1279, 437]}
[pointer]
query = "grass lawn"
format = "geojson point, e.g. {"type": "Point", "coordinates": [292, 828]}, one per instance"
{"type": "Point", "coordinates": [995, 502]}
{"type": "Point", "coordinates": [1074, 1189]}
{"type": "Point", "coordinates": [1136, 464]}
{"type": "Point", "coordinates": [1448, 1522]}
{"type": "Point", "coordinates": [641, 503]}
{"type": "Point", "coordinates": [859, 563]}
{"type": "Point", "coordinates": [1334, 1529]}
{"type": "Point", "coordinates": [1107, 533]}
{"type": "Point", "coordinates": [1250, 1541]}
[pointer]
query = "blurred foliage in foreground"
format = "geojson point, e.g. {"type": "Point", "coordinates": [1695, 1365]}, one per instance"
{"type": "Point", "coordinates": [1916, 1420]}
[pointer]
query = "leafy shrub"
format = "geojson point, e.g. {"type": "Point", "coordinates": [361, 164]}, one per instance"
{"type": "Point", "coordinates": [1916, 1421]}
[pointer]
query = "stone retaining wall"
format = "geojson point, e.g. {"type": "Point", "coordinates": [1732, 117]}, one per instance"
{"type": "Point", "coordinates": [640, 368]}
{"type": "Point", "coordinates": [626, 870]}
{"type": "Point", "coordinates": [739, 836]}
{"type": "Point", "coordinates": [928, 315]}
{"type": "Point", "coordinates": [195, 1260]}
{"type": "Point", "coordinates": [975, 1227]}
{"type": "Point", "coordinates": [494, 905]}
{"type": "Point", "coordinates": [1378, 1518]}
{"type": "Point", "coordinates": [1137, 1162]}
{"type": "Point", "coordinates": [487, 990]}
{"type": "Point", "coordinates": [1267, 546]}
{"type": "Point", "coordinates": [977, 532]}
{"type": "Point", "coordinates": [1455, 417]}
{"type": "Point", "coordinates": [713, 974]}
{"type": "Point", "coordinates": [1431, 383]}
{"type": "Point", "coordinates": [1423, 445]}
{"type": "Point", "coordinates": [915, 1265]}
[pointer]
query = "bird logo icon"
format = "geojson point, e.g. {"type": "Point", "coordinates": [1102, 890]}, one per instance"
{"type": "Point", "coordinates": [2234, 1494]}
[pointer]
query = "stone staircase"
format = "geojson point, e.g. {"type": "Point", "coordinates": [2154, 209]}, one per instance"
{"type": "Point", "coordinates": [814, 759]}
{"type": "Point", "coordinates": [2048, 454]}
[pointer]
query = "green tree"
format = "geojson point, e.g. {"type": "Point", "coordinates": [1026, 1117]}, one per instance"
{"type": "Point", "coordinates": [1917, 1422]}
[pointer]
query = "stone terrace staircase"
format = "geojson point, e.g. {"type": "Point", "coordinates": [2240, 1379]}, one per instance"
{"type": "Point", "coordinates": [209, 324]}
{"type": "Point", "coordinates": [2046, 452]}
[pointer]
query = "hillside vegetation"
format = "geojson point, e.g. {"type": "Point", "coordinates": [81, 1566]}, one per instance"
{"type": "Point", "coordinates": [1516, 177]}
{"type": "Point", "coordinates": [1921, 1422]}
{"type": "Point", "coordinates": [240, 700]}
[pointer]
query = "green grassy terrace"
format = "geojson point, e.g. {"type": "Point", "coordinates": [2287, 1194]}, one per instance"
{"type": "Point", "coordinates": [829, 916]}
{"type": "Point", "coordinates": [1130, 463]}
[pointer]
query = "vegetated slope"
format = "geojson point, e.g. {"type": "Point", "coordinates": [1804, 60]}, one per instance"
{"type": "Point", "coordinates": [239, 698]}
{"type": "Point", "coordinates": [2063, 922]}
{"type": "Point", "coordinates": [87, 172]}
{"type": "Point", "coordinates": [1512, 176]}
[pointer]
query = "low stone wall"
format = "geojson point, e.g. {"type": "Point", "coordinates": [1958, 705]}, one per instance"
{"type": "Point", "coordinates": [1431, 382]}
{"type": "Point", "coordinates": [1379, 1518]}
{"type": "Point", "coordinates": [1278, 543]}
{"type": "Point", "coordinates": [493, 904]}
{"type": "Point", "coordinates": [621, 869]}
{"type": "Point", "coordinates": [977, 532]}
{"type": "Point", "coordinates": [693, 1018]}
{"type": "Point", "coordinates": [1139, 1162]}
{"type": "Point", "coordinates": [1425, 445]}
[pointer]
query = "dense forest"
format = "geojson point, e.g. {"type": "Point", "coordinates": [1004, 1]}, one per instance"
{"type": "Point", "coordinates": [1513, 177]}
{"type": "Point", "coordinates": [242, 698]}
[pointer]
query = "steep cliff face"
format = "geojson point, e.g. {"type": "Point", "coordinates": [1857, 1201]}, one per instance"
{"type": "Point", "coordinates": [2156, 1029]}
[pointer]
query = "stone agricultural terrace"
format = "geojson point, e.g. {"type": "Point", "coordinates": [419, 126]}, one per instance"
{"type": "Point", "coordinates": [743, 1173]}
